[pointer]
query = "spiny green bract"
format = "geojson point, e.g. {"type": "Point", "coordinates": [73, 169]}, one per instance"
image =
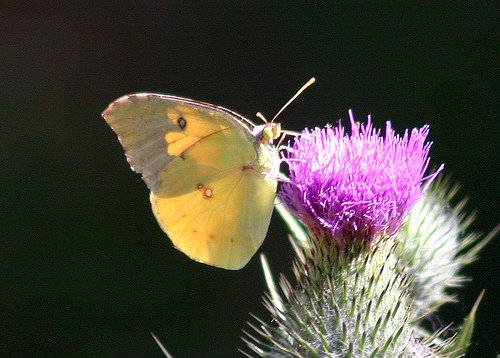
{"type": "Point", "coordinates": [346, 304]}
{"type": "Point", "coordinates": [432, 247]}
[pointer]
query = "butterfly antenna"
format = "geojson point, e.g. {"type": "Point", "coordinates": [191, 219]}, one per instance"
{"type": "Point", "coordinates": [261, 116]}
{"type": "Point", "coordinates": [302, 89]}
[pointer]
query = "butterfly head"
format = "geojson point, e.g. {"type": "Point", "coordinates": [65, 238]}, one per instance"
{"type": "Point", "coordinates": [268, 132]}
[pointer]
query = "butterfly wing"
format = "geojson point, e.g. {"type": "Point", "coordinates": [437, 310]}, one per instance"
{"type": "Point", "coordinates": [215, 206]}
{"type": "Point", "coordinates": [154, 128]}
{"type": "Point", "coordinates": [212, 185]}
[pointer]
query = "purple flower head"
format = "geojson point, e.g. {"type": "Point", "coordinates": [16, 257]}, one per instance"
{"type": "Point", "coordinates": [355, 186]}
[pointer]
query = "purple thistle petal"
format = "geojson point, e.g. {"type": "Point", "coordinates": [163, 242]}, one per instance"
{"type": "Point", "coordinates": [355, 186]}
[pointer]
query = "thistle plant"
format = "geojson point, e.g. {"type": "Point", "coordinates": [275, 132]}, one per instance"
{"type": "Point", "coordinates": [377, 249]}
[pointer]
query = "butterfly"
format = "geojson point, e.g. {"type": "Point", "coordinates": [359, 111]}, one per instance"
{"type": "Point", "coordinates": [212, 173]}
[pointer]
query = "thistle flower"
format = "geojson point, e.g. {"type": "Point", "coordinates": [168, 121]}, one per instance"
{"type": "Point", "coordinates": [365, 299]}
{"type": "Point", "coordinates": [355, 186]}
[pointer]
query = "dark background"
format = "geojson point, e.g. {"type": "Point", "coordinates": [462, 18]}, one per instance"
{"type": "Point", "coordinates": [85, 270]}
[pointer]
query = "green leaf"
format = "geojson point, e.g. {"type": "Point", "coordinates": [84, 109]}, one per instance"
{"type": "Point", "coordinates": [271, 286]}
{"type": "Point", "coordinates": [463, 338]}
{"type": "Point", "coordinates": [293, 224]}
{"type": "Point", "coordinates": [162, 347]}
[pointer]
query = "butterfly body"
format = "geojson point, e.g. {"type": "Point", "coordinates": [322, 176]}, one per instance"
{"type": "Point", "coordinates": [212, 173]}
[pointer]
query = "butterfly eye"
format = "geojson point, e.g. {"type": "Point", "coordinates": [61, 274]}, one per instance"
{"type": "Point", "coordinates": [181, 122]}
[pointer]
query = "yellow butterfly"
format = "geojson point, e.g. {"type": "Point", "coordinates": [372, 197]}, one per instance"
{"type": "Point", "coordinates": [212, 173]}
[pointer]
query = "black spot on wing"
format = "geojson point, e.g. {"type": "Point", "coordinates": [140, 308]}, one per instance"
{"type": "Point", "coordinates": [181, 122]}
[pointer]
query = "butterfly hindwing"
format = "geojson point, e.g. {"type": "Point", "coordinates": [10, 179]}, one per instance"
{"type": "Point", "coordinates": [213, 197]}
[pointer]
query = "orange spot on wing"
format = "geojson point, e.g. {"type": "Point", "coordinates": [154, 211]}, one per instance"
{"type": "Point", "coordinates": [206, 191]}
{"type": "Point", "coordinates": [178, 142]}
